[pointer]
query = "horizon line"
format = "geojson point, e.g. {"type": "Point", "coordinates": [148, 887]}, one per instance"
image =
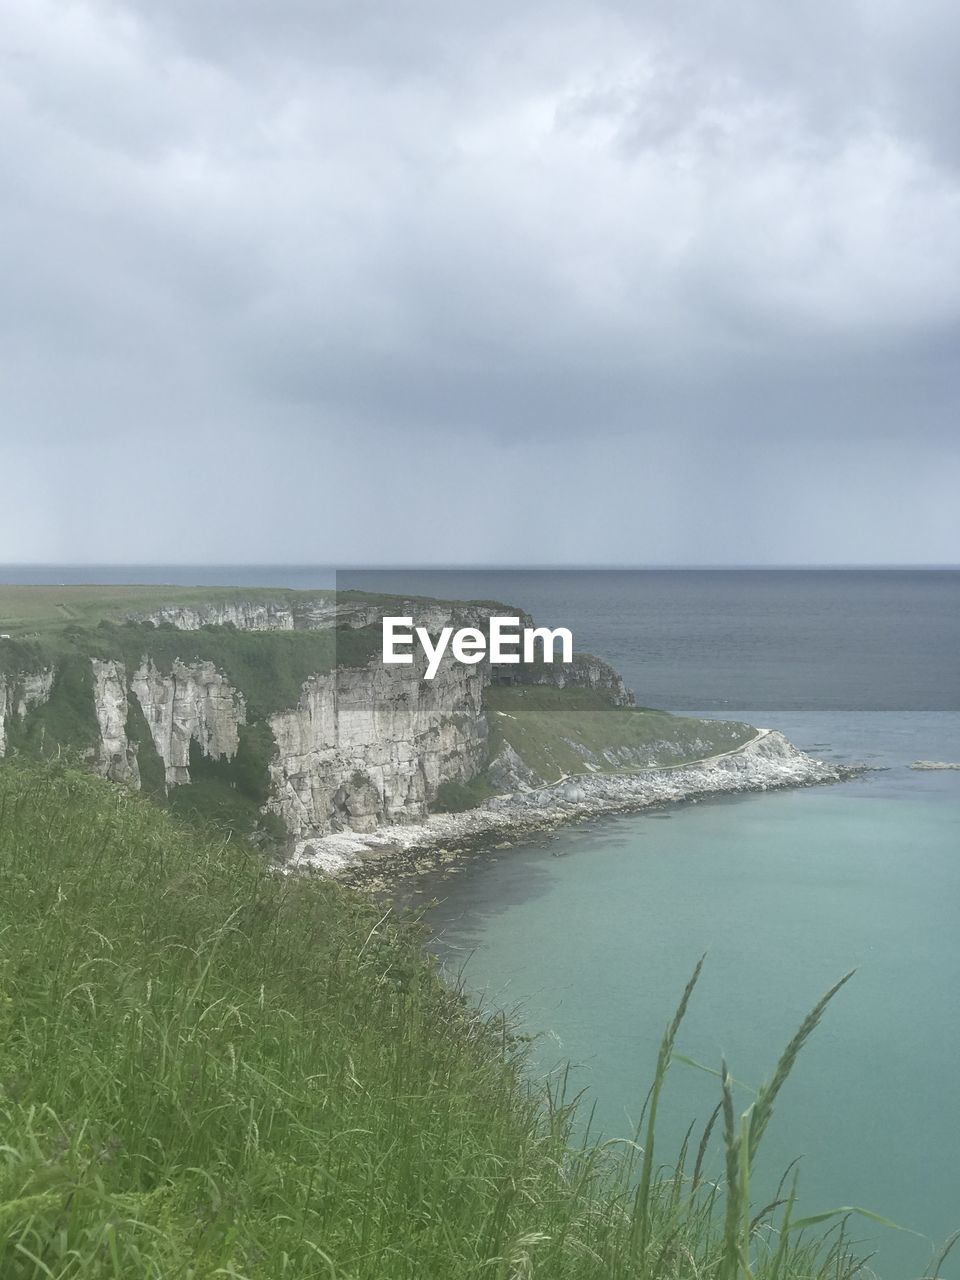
{"type": "Point", "coordinates": [473, 565]}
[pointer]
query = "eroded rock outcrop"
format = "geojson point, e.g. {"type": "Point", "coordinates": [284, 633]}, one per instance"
{"type": "Point", "coordinates": [19, 693]}
{"type": "Point", "coordinates": [192, 702]}
{"type": "Point", "coordinates": [584, 672]}
{"type": "Point", "coordinates": [322, 612]}
{"type": "Point", "coordinates": [116, 755]}
{"type": "Point", "coordinates": [768, 762]}
{"type": "Point", "coordinates": [373, 744]}
{"type": "Point", "coordinates": [367, 746]}
{"type": "Point", "coordinates": [242, 614]}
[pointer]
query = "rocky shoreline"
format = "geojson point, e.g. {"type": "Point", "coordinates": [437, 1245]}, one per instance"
{"type": "Point", "coordinates": [379, 858]}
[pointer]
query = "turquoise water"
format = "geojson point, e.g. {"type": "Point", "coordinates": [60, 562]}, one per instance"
{"type": "Point", "coordinates": [591, 935]}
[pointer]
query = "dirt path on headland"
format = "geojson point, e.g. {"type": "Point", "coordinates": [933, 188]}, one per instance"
{"type": "Point", "coordinates": [653, 768]}
{"type": "Point", "coordinates": [757, 737]}
{"type": "Point", "coordinates": [378, 857]}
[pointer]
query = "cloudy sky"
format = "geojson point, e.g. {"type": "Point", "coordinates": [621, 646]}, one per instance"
{"type": "Point", "coordinates": [513, 281]}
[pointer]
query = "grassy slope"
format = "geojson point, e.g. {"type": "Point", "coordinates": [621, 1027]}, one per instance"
{"type": "Point", "coordinates": [38, 607]}
{"type": "Point", "coordinates": [48, 624]}
{"type": "Point", "coordinates": [207, 1070]}
{"type": "Point", "coordinates": [268, 667]}
{"type": "Point", "coordinates": [561, 731]}
{"type": "Point", "coordinates": [30, 608]}
{"type": "Point", "coordinates": [556, 732]}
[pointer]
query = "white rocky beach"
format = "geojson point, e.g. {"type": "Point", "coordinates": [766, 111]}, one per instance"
{"type": "Point", "coordinates": [767, 762]}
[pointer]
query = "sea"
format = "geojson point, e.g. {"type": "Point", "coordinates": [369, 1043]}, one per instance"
{"type": "Point", "coordinates": [587, 936]}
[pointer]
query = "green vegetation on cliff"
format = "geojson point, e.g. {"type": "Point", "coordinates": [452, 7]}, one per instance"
{"type": "Point", "coordinates": [231, 793]}
{"type": "Point", "coordinates": [208, 1070]}
{"type": "Point", "coordinates": [67, 718]}
{"type": "Point", "coordinates": [267, 667]}
{"type": "Point", "coordinates": [32, 609]}
{"type": "Point", "coordinates": [554, 731]}
{"type": "Point", "coordinates": [456, 797]}
{"type": "Point", "coordinates": [563, 731]}
{"type": "Point", "coordinates": [37, 608]}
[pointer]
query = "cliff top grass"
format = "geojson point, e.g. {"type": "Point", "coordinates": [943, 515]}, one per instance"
{"type": "Point", "coordinates": [35, 609]}
{"type": "Point", "coordinates": [32, 608]}
{"type": "Point", "coordinates": [568, 731]}
{"type": "Point", "coordinates": [45, 625]}
{"type": "Point", "coordinates": [209, 1070]}
{"type": "Point", "coordinates": [269, 668]}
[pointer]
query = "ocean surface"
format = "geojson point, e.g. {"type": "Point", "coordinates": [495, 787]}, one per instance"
{"type": "Point", "coordinates": [589, 935]}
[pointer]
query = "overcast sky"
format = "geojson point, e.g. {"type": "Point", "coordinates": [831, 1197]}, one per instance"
{"type": "Point", "coordinates": [518, 281]}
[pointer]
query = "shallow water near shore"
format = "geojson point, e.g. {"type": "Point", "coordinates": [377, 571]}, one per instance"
{"type": "Point", "coordinates": [590, 935]}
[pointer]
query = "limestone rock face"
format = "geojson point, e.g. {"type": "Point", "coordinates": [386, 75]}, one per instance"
{"type": "Point", "coordinates": [20, 692]}
{"type": "Point", "coordinates": [373, 744]}
{"type": "Point", "coordinates": [364, 746]}
{"type": "Point", "coordinates": [768, 762]}
{"type": "Point", "coordinates": [33, 689]}
{"type": "Point", "coordinates": [585, 672]}
{"type": "Point", "coordinates": [507, 771]}
{"type": "Point", "coordinates": [243, 614]}
{"type": "Point", "coordinates": [323, 612]}
{"type": "Point", "coordinates": [116, 755]}
{"type": "Point", "coordinates": [193, 702]}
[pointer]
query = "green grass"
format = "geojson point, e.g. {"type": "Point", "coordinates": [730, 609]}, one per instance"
{"type": "Point", "coordinates": [152, 772]}
{"type": "Point", "coordinates": [457, 797]}
{"type": "Point", "coordinates": [564, 731]}
{"type": "Point", "coordinates": [554, 731]}
{"type": "Point", "coordinates": [27, 607]}
{"type": "Point", "coordinates": [207, 1070]}
{"type": "Point", "coordinates": [67, 718]}
{"type": "Point", "coordinates": [231, 793]}
{"type": "Point", "coordinates": [268, 667]}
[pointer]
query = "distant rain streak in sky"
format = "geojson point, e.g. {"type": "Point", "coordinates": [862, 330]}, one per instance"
{"type": "Point", "coordinates": [511, 282]}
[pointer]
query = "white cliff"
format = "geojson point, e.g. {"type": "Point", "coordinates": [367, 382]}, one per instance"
{"type": "Point", "coordinates": [584, 672]}
{"type": "Point", "coordinates": [245, 615]}
{"type": "Point", "coordinates": [19, 692]}
{"type": "Point", "coordinates": [320, 613]}
{"type": "Point", "coordinates": [366, 749]}
{"type": "Point", "coordinates": [768, 762]}
{"type": "Point", "coordinates": [116, 756]}
{"type": "Point", "coordinates": [373, 744]}
{"type": "Point", "coordinates": [192, 702]}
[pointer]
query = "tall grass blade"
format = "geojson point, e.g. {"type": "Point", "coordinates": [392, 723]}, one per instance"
{"type": "Point", "coordinates": [642, 1205]}
{"type": "Point", "coordinates": [762, 1109]}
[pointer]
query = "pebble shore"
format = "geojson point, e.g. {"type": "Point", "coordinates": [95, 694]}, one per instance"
{"type": "Point", "coordinates": [377, 858]}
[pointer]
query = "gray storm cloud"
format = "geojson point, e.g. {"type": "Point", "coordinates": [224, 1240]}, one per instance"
{"type": "Point", "coordinates": [514, 282]}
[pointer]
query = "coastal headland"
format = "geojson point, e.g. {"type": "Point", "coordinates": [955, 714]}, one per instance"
{"type": "Point", "coordinates": [767, 762]}
{"type": "Point", "coordinates": [272, 713]}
